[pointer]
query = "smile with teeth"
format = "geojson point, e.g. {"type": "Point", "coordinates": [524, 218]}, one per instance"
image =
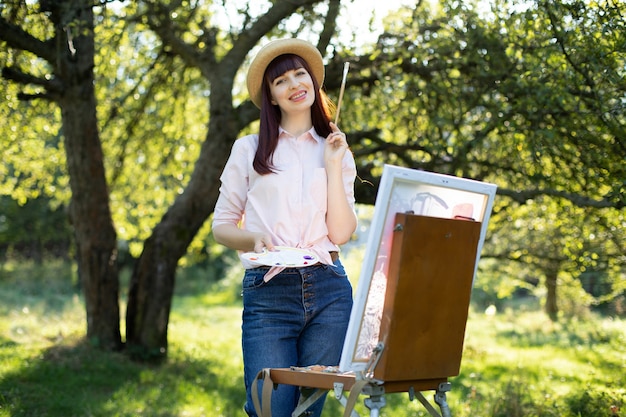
{"type": "Point", "coordinates": [298, 95]}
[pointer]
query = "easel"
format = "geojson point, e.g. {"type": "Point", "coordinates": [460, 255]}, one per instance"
{"type": "Point", "coordinates": [427, 299]}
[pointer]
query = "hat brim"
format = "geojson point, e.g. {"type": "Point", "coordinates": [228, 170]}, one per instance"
{"type": "Point", "coordinates": [303, 49]}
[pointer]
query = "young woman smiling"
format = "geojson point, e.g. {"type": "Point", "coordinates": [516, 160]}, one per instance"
{"type": "Point", "coordinates": [290, 185]}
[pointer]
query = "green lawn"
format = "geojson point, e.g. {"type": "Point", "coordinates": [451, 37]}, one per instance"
{"type": "Point", "coordinates": [516, 363]}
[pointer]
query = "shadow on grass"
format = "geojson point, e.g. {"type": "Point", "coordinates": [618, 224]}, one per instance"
{"type": "Point", "coordinates": [73, 378]}
{"type": "Point", "coordinates": [79, 380]}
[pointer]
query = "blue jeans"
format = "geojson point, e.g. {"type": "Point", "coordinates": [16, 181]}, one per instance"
{"type": "Point", "coordinates": [298, 318]}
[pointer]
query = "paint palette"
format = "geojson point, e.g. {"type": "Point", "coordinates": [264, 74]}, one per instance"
{"type": "Point", "coordinates": [282, 256]}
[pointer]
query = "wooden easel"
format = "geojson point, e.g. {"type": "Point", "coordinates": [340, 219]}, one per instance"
{"type": "Point", "coordinates": [427, 299]}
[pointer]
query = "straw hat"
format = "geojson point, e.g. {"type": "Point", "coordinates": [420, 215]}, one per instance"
{"type": "Point", "coordinates": [303, 49]}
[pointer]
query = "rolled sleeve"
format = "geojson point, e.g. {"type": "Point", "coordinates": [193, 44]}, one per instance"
{"type": "Point", "coordinates": [231, 202]}
{"type": "Point", "coordinates": [349, 176]}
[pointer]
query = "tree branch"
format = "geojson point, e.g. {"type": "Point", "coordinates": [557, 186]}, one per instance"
{"type": "Point", "coordinates": [159, 21]}
{"type": "Point", "coordinates": [18, 38]}
{"type": "Point", "coordinates": [578, 200]}
{"type": "Point", "coordinates": [38, 96]}
{"type": "Point", "coordinates": [53, 87]}
{"type": "Point", "coordinates": [330, 24]}
{"type": "Point", "coordinates": [249, 38]}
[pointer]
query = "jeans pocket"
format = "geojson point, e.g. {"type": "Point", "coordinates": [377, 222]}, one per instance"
{"type": "Point", "coordinates": [337, 269]}
{"type": "Point", "coordinates": [253, 278]}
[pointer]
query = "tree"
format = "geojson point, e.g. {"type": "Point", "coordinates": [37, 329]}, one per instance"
{"type": "Point", "coordinates": [512, 98]}
{"type": "Point", "coordinates": [152, 281]}
{"type": "Point", "coordinates": [33, 229]}
{"type": "Point", "coordinates": [67, 50]}
{"type": "Point", "coordinates": [214, 55]}
{"type": "Point", "coordinates": [500, 98]}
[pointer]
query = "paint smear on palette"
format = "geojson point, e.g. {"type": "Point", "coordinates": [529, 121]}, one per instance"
{"type": "Point", "coordinates": [282, 256]}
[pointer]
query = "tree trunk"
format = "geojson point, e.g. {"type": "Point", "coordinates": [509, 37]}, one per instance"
{"type": "Point", "coordinates": [89, 210]}
{"type": "Point", "coordinates": [551, 307]}
{"type": "Point", "coordinates": [152, 282]}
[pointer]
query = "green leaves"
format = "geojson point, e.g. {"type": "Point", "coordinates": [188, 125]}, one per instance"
{"type": "Point", "coordinates": [530, 98]}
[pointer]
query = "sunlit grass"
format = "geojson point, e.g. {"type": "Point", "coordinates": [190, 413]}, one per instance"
{"type": "Point", "coordinates": [515, 363]}
{"type": "Point", "coordinates": [551, 361]}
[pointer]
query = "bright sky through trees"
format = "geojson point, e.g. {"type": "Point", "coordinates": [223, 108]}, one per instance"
{"type": "Point", "coordinates": [355, 17]}
{"type": "Point", "coordinates": [358, 14]}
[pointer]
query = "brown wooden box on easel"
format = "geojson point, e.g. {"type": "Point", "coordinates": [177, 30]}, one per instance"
{"type": "Point", "coordinates": [427, 297]}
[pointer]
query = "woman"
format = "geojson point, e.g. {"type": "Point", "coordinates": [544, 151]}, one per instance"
{"type": "Point", "coordinates": [291, 185]}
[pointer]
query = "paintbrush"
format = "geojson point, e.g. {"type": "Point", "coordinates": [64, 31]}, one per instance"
{"type": "Point", "coordinates": [346, 67]}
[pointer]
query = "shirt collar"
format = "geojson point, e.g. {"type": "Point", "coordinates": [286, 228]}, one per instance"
{"type": "Point", "coordinates": [311, 133]}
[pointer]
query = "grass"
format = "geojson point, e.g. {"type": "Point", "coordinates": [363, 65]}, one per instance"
{"type": "Point", "coordinates": [516, 363]}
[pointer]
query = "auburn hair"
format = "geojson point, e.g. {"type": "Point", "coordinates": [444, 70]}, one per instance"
{"type": "Point", "coordinates": [271, 115]}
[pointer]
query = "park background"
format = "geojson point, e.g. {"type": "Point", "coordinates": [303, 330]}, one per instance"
{"type": "Point", "coordinates": [117, 118]}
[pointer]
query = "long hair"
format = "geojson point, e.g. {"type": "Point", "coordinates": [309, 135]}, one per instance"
{"type": "Point", "coordinates": [271, 116]}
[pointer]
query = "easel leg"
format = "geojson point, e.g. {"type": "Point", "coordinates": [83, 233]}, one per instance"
{"type": "Point", "coordinates": [307, 399]}
{"type": "Point", "coordinates": [374, 403]}
{"type": "Point", "coordinates": [344, 401]}
{"type": "Point", "coordinates": [440, 398]}
{"type": "Point", "coordinates": [428, 406]}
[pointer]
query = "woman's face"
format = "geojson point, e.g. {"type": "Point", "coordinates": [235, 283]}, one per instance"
{"type": "Point", "coordinates": [293, 91]}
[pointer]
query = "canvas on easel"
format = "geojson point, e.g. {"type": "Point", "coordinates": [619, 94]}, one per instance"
{"type": "Point", "coordinates": [404, 190]}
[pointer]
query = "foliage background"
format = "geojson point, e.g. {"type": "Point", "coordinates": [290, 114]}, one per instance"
{"type": "Point", "coordinates": [531, 97]}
